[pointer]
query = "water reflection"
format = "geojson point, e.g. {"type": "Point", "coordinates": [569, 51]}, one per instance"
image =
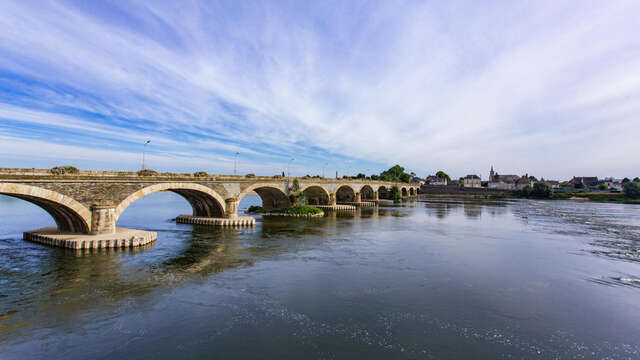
{"type": "Point", "coordinates": [505, 279]}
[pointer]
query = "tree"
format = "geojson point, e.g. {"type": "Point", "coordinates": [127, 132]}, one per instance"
{"type": "Point", "coordinates": [296, 196]}
{"type": "Point", "coordinates": [393, 174]}
{"type": "Point", "coordinates": [602, 187]}
{"type": "Point", "coordinates": [625, 180]}
{"type": "Point", "coordinates": [525, 191]}
{"type": "Point", "coordinates": [442, 174]}
{"type": "Point", "coordinates": [375, 177]}
{"type": "Point", "coordinates": [636, 179]}
{"type": "Point", "coordinates": [395, 194]}
{"type": "Point", "coordinates": [632, 189]}
{"type": "Point", "coordinates": [541, 190]}
{"type": "Point", "coordinates": [404, 177]}
{"type": "Point", "coordinates": [361, 176]}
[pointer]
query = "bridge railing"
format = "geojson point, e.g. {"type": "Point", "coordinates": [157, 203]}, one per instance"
{"type": "Point", "coordinates": [32, 173]}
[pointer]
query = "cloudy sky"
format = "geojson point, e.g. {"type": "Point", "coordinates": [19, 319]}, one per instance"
{"type": "Point", "coordinates": [551, 88]}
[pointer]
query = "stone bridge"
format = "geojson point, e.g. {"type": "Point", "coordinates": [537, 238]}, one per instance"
{"type": "Point", "coordinates": [90, 202]}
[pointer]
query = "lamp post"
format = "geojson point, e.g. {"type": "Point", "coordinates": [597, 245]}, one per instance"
{"type": "Point", "coordinates": [144, 153]}
{"type": "Point", "coordinates": [235, 164]}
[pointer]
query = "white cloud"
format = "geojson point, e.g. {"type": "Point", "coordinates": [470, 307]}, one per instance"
{"type": "Point", "coordinates": [538, 87]}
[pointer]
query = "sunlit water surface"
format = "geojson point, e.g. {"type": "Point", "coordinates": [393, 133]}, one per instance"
{"type": "Point", "coordinates": [439, 279]}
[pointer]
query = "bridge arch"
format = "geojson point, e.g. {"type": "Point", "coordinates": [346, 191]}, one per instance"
{"type": "Point", "coordinates": [316, 194]}
{"type": "Point", "coordinates": [204, 200]}
{"type": "Point", "coordinates": [345, 193]}
{"type": "Point", "coordinates": [273, 196]}
{"type": "Point", "coordinates": [404, 191]}
{"type": "Point", "coordinates": [411, 191]}
{"type": "Point", "coordinates": [367, 192]}
{"type": "Point", "coordinates": [384, 192]}
{"type": "Point", "coordinates": [68, 214]}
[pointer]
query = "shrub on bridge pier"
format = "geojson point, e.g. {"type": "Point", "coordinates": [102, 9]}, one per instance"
{"type": "Point", "coordinates": [61, 170]}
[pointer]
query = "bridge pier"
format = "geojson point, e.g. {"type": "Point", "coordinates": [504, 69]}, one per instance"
{"type": "Point", "coordinates": [332, 199]}
{"type": "Point", "coordinates": [358, 197]}
{"type": "Point", "coordinates": [231, 208]}
{"type": "Point", "coordinates": [103, 219]}
{"type": "Point", "coordinates": [230, 218]}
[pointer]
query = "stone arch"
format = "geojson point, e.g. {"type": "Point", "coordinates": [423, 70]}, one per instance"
{"type": "Point", "coordinates": [69, 215]}
{"type": "Point", "coordinates": [404, 191]}
{"type": "Point", "coordinates": [316, 194]}
{"type": "Point", "coordinates": [411, 191]}
{"type": "Point", "coordinates": [272, 195]}
{"type": "Point", "coordinates": [384, 192]}
{"type": "Point", "coordinates": [366, 192]}
{"type": "Point", "coordinates": [345, 193]}
{"type": "Point", "coordinates": [204, 200]}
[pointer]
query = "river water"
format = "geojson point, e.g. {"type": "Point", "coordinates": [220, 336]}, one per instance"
{"type": "Point", "coordinates": [442, 279]}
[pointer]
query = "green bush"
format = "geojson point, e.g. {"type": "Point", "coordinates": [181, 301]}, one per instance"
{"type": "Point", "coordinates": [255, 209]}
{"type": "Point", "coordinates": [602, 187]}
{"type": "Point", "coordinates": [200, 174]}
{"type": "Point", "coordinates": [632, 189]}
{"type": "Point", "coordinates": [297, 210]}
{"type": "Point", "coordinates": [147, 172]}
{"type": "Point", "coordinates": [541, 190]}
{"type": "Point", "coordinates": [60, 170]}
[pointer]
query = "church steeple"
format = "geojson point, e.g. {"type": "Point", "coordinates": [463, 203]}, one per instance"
{"type": "Point", "coordinates": [491, 174]}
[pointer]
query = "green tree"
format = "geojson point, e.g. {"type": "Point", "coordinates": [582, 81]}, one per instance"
{"type": "Point", "coordinates": [405, 177]}
{"type": "Point", "coordinates": [374, 177]}
{"type": "Point", "coordinates": [361, 176]}
{"type": "Point", "coordinates": [395, 194]}
{"type": "Point", "coordinates": [636, 179]}
{"type": "Point", "coordinates": [541, 190]}
{"type": "Point", "coordinates": [625, 180]}
{"type": "Point", "coordinates": [296, 196]}
{"type": "Point", "coordinates": [632, 189]}
{"type": "Point", "coordinates": [393, 174]}
{"type": "Point", "coordinates": [442, 174]}
{"type": "Point", "coordinates": [525, 191]}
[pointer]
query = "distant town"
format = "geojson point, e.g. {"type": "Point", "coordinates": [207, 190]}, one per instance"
{"type": "Point", "coordinates": [519, 182]}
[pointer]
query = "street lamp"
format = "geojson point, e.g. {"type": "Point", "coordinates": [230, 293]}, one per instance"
{"type": "Point", "coordinates": [235, 164]}
{"type": "Point", "coordinates": [289, 167]}
{"type": "Point", "coordinates": [144, 153]}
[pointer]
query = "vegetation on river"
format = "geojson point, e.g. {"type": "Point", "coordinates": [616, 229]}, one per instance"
{"type": "Point", "coordinates": [296, 210]}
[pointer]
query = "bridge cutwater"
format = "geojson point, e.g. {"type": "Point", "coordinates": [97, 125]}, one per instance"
{"type": "Point", "coordinates": [86, 205]}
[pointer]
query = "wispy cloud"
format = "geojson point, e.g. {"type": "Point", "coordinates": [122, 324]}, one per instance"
{"type": "Point", "coordinates": [548, 88]}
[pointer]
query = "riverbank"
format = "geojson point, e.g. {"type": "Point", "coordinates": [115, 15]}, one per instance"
{"type": "Point", "coordinates": [574, 196]}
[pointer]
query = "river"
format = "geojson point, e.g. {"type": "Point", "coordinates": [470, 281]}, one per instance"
{"type": "Point", "coordinates": [437, 279]}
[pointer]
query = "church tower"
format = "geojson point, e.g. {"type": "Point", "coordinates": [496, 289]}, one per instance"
{"type": "Point", "coordinates": [491, 174]}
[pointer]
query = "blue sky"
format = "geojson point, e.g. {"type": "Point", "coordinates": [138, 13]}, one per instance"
{"type": "Point", "coordinates": [550, 88]}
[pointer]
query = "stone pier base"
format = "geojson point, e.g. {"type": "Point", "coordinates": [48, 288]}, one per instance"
{"type": "Point", "coordinates": [335, 207]}
{"type": "Point", "coordinates": [358, 204]}
{"type": "Point", "coordinates": [122, 238]}
{"type": "Point", "coordinates": [199, 220]}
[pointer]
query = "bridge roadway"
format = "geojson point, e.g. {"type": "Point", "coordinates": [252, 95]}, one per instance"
{"type": "Point", "coordinates": [89, 203]}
